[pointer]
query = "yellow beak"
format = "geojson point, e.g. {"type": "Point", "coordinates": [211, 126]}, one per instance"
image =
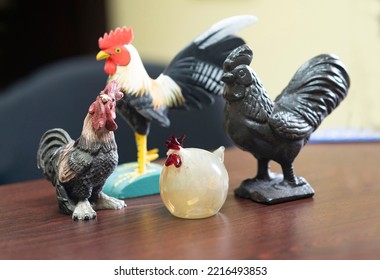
{"type": "Point", "coordinates": [102, 55]}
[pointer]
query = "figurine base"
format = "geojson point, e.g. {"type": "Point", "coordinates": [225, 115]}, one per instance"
{"type": "Point", "coordinates": [273, 191]}
{"type": "Point", "coordinates": [125, 182]}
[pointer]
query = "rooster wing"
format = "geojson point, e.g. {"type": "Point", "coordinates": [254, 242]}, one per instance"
{"type": "Point", "coordinates": [315, 90]}
{"type": "Point", "coordinates": [78, 162]}
{"type": "Point", "coordinates": [197, 69]}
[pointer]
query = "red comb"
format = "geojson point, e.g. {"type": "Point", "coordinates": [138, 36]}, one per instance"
{"type": "Point", "coordinates": [175, 143]}
{"type": "Point", "coordinates": [120, 36]}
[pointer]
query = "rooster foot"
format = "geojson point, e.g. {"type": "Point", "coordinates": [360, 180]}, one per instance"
{"type": "Point", "coordinates": [298, 182]}
{"type": "Point", "coordinates": [83, 211]}
{"type": "Point", "coordinates": [144, 156]}
{"type": "Point", "coordinates": [134, 175]}
{"type": "Point", "coordinates": [144, 159]}
{"type": "Point", "coordinates": [268, 177]}
{"type": "Point", "coordinates": [152, 155]}
{"type": "Point", "coordinates": [107, 202]}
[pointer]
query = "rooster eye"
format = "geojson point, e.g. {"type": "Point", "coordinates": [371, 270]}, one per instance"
{"type": "Point", "coordinates": [242, 73]}
{"type": "Point", "coordinates": [117, 50]}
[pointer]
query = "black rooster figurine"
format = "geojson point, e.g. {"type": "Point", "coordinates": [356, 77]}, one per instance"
{"type": "Point", "coordinates": [279, 130]}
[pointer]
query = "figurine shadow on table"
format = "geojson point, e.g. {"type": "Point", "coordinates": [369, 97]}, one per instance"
{"type": "Point", "coordinates": [78, 169]}
{"type": "Point", "coordinates": [190, 80]}
{"type": "Point", "coordinates": [278, 130]}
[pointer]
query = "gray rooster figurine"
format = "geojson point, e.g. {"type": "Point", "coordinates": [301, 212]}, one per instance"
{"type": "Point", "coordinates": [78, 169]}
{"type": "Point", "coordinates": [278, 130]}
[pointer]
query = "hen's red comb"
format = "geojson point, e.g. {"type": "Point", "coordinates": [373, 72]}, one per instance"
{"type": "Point", "coordinates": [120, 36]}
{"type": "Point", "coordinates": [175, 143]}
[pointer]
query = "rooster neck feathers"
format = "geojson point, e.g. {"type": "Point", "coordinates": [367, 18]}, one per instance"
{"type": "Point", "coordinates": [134, 80]}
{"type": "Point", "coordinates": [92, 141]}
{"type": "Point", "coordinates": [133, 77]}
{"type": "Point", "coordinates": [253, 100]}
{"type": "Point", "coordinates": [257, 104]}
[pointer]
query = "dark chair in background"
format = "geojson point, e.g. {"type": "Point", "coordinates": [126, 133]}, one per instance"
{"type": "Point", "coordinates": [59, 96]}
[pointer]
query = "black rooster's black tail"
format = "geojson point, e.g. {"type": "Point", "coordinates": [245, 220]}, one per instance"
{"type": "Point", "coordinates": [319, 86]}
{"type": "Point", "coordinates": [47, 154]}
{"type": "Point", "coordinates": [197, 69]}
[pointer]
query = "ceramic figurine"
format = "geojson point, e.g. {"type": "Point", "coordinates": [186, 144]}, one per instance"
{"type": "Point", "coordinates": [277, 130]}
{"type": "Point", "coordinates": [191, 80]}
{"type": "Point", "coordinates": [193, 182]}
{"type": "Point", "coordinates": [78, 169]}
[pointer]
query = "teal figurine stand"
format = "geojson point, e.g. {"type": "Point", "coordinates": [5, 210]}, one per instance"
{"type": "Point", "coordinates": [126, 183]}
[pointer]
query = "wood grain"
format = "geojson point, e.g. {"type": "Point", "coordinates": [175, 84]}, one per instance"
{"type": "Point", "coordinates": [342, 220]}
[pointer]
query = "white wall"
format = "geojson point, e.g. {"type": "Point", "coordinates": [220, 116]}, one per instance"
{"type": "Point", "coordinates": [287, 34]}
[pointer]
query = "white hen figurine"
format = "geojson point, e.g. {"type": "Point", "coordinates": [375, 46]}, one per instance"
{"type": "Point", "coordinates": [193, 182]}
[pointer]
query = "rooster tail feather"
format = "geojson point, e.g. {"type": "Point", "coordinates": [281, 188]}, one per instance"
{"type": "Point", "coordinates": [222, 29]}
{"type": "Point", "coordinates": [198, 68]}
{"type": "Point", "coordinates": [47, 154]}
{"type": "Point", "coordinates": [319, 86]}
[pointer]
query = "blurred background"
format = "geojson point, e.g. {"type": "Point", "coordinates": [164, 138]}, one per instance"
{"type": "Point", "coordinates": [47, 59]}
{"type": "Point", "coordinates": [286, 35]}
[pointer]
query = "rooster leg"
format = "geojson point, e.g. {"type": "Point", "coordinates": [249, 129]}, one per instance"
{"type": "Point", "coordinates": [263, 170]}
{"type": "Point", "coordinates": [144, 156]}
{"type": "Point", "coordinates": [289, 175]}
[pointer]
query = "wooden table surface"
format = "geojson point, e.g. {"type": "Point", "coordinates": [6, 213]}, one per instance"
{"type": "Point", "coordinates": [341, 221]}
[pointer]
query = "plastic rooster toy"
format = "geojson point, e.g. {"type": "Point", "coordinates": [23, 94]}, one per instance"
{"type": "Point", "coordinates": [78, 169]}
{"type": "Point", "coordinates": [190, 80]}
{"type": "Point", "coordinates": [278, 130]}
{"type": "Point", "coordinates": [193, 182]}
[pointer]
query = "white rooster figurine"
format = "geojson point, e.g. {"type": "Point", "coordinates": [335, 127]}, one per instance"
{"type": "Point", "coordinates": [193, 182]}
{"type": "Point", "coordinates": [191, 80]}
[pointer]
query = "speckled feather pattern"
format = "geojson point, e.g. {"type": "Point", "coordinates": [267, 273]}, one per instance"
{"type": "Point", "coordinates": [91, 181]}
